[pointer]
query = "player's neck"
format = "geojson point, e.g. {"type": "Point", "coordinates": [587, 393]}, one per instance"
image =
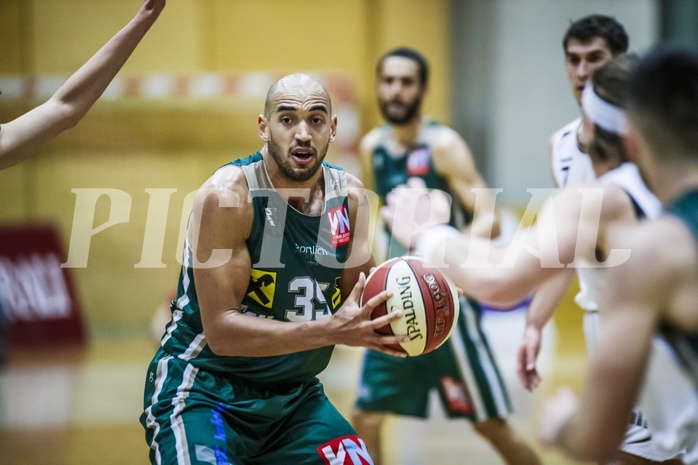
{"type": "Point", "coordinates": [613, 160]}
{"type": "Point", "coordinates": [604, 167]}
{"type": "Point", "coordinates": [584, 136]}
{"type": "Point", "coordinates": [408, 133]}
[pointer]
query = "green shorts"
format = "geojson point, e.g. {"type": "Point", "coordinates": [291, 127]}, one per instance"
{"type": "Point", "coordinates": [463, 370]}
{"type": "Point", "coordinates": [193, 416]}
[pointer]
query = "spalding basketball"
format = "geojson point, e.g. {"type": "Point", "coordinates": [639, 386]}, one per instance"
{"type": "Point", "coordinates": [427, 298]}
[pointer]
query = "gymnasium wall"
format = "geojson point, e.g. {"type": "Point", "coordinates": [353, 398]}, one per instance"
{"type": "Point", "coordinates": [145, 154]}
{"type": "Point", "coordinates": [497, 76]}
{"type": "Point", "coordinates": [509, 88]}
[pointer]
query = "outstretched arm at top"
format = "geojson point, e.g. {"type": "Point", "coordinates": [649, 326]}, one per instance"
{"type": "Point", "coordinates": [22, 136]}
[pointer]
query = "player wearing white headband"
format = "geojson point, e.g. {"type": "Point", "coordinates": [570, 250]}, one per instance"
{"type": "Point", "coordinates": [589, 43]}
{"type": "Point", "coordinates": [581, 222]}
{"type": "Point", "coordinates": [603, 114]}
{"type": "Point", "coordinates": [657, 283]}
{"type": "Point", "coordinates": [667, 403]}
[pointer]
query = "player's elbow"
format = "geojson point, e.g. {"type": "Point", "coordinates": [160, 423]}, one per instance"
{"type": "Point", "coordinates": [72, 117]}
{"type": "Point", "coordinates": [486, 285]}
{"type": "Point", "coordinates": [66, 115]}
{"type": "Point", "coordinates": [230, 343]}
{"type": "Point", "coordinates": [498, 293]}
{"type": "Point", "coordinates": [219, 350]}
{"type": "Point", "coordinates": [219, 345]}
{"type": "Point", "coordinates": [217, 340]}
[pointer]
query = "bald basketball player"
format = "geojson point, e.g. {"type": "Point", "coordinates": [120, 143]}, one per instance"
{"type": "Point", "coordinates": [268, 287]}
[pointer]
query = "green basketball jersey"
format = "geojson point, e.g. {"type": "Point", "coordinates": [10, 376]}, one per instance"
{"type": "Point", "coordinates": [297, 261]}
{"type": "Point", "coordinates": [685, 344]}
{"type": "Point", "coordinates": [391, 170]}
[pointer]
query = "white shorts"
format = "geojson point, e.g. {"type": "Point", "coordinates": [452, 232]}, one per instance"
{"type": "Point", "coordinates": [657, 438]}
{"type": "Point", "coordinates": [670, 403]}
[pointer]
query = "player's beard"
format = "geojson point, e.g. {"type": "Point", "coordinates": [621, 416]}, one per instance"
{"type": "Point", "coordinates": [284, 164]}
{"type": "Point", "coordinates": [411, 110]}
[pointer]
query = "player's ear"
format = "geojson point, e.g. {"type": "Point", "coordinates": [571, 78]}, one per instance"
{"type": "Point", "coordinates": [263, 126]}
{"type": "Point", "coordinates": [333, 127]}
{"type": "Point", "coordinates": [425, 88]}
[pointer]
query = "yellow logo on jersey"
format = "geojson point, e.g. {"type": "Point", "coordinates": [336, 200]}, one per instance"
{"type": "Point", "coordinates": [262, 286]}
{"type": "Point", "coordinates": [337, 296]}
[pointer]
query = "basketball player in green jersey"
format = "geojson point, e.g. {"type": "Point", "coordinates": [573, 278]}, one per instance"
{"type": "Point", "coordinates": [463, 370]}
{"type": "Point", "coordinates": [656, 289]}
{"type": "Point", "coordinates": [274, 263]}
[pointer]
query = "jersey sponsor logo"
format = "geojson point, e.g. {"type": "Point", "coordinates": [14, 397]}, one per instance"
{"type": "Point", "coordinates": [310, 252]}
{"type": "Point", "coordinates": [269, 214]}
{"type": "Point", "coordinates": [347, 450]}
{"type": "Point", "coordinates": [335, 183]}
{"type": "Point", "coordinates": [418, 162]}
{"type": "Point", "coordinates": [457, 398]}
{"type": "Point", "coordinates": [262, 286]}
{"type": "Point", "coordinates": [337, 295]}
{"type": "Point", "coordinates": [339, 226]}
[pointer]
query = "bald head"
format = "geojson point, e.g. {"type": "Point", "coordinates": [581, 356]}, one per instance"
{"type": "Point", "coordinates": [296, 85]}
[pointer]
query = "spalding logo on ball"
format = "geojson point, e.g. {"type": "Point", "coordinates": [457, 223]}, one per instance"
{"type": "Point", "coordinates": [427, 298]}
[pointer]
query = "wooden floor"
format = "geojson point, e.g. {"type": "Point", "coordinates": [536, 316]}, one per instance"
{"type": "Point", "coordinates": [81, 407]}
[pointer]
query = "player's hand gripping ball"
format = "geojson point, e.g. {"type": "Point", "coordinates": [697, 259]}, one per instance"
{"type": "Point", "coordinates": [427, 298]}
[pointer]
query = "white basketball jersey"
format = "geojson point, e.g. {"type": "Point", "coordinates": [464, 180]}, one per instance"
{"type": "Point", "coordinates": [660, 442]}
{"type": "Point", "coordinates": [570, 165]}
{"type": "Point", "coordinates": [668, 425]}
{"type": "Point", "coordinates": [627, 177]}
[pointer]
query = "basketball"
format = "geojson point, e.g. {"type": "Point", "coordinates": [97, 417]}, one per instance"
{"type": "Point", "coordinates": [427, 298]}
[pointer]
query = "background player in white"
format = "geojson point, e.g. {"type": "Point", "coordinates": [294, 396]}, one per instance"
{"type": "Point", "coordinates": [656, 289]}
{"type": "Point", "coordinates": [588, 44]}
{"type": "Point", "coordinates": [21, 137]}
{"type": "Point", "coordinates": [573, 231]}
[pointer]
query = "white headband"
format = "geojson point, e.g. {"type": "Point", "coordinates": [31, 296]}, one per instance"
{"type": "Point", "coordinates": [607, 116]}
